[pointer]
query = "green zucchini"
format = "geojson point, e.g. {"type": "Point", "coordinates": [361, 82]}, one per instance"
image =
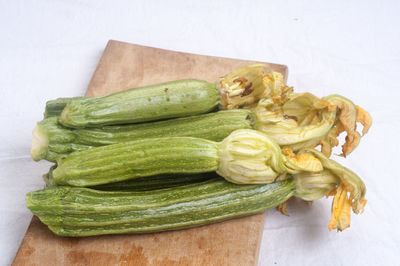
{"type": "Point", "coordinates": [55, 107]}
{"type": "Point", "coordinates": [245, 156]}
{"type": "Point", "coordinates": [139, 158]}
{"type": "Point", "coordinates": [69, 211]}
{"type": "Point", "coordinates": [161, 101]}
{"type": "Point", "coordinates": [242, 88]}
{"type": "Point", "coordinates": [52, 140]}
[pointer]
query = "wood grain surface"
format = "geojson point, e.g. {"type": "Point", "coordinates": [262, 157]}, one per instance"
{"type": "Point", "coordinates": [234, 242]}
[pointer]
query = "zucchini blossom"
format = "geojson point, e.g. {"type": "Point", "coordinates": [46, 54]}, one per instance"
{"type": "Point", "coordinates": [302, 120]}
{"type": "Point", "coordinates": [346, 186]}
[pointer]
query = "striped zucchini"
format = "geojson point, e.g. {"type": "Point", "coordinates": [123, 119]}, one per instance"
{"type": "Point", "coordinates": [77, 212]}
{"type": "Point", "coordinates": [155, 102]}
{"type": "Point", "coordinates": [242, 88]}
{"type": "Point", "coordinates": [51, 140]}
{"type": "Point", "coordinates": [245, 156]}
{"type": "Point", "coordinates": [139, 158]}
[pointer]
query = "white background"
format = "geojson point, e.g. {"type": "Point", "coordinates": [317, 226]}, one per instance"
{"type": "Point", "coordinates": [51, 48]}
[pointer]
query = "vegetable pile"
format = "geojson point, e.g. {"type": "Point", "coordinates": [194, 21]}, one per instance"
{"type": "Point", "coordinates": [186, 153]}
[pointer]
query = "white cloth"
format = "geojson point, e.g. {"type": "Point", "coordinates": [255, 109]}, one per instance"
{"type": "Point", "coordinates": [51, 48]}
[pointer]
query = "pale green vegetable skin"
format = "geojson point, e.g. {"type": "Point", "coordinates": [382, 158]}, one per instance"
{"type": "Point", "coordinates": [72, 211]}
{"type": "Point", "coordinates": [160, 101]}
{"type": "Point", "coordinates": [245, 156]}
{"type": "Point", "coordinates": [213, 126]}
{"type": "Point", "coordinates": [139, 158]}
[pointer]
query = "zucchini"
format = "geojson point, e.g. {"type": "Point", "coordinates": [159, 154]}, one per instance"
{"type": "Point", "coordinates": [245, 156]}
{"type": "Point", "coordinates": [69, 211]}
{"type": "Point", "coordinates": [242, 88]}
{"type": "Point", "coordinates": [139, 158]}
{"type": "Point", "coordinates": [51, 140]}
{"type": "Point", "coordinates": [166, 100]}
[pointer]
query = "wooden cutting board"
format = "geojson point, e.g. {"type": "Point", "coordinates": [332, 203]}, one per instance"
{"type": "Point", "coordinates": [234, 242]}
